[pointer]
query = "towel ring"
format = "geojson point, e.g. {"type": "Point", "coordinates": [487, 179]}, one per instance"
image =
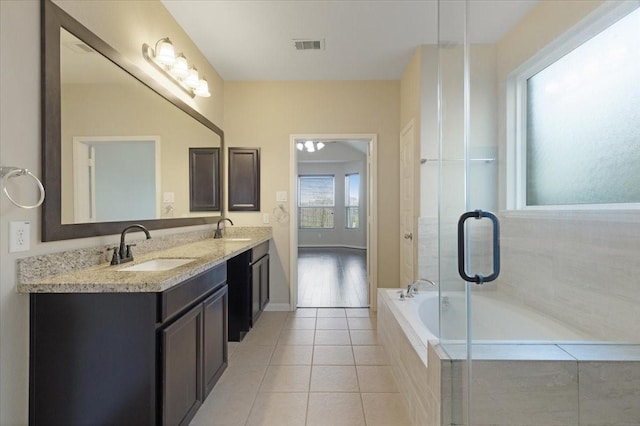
{"type": "Point", "coordinates": [8, 172]}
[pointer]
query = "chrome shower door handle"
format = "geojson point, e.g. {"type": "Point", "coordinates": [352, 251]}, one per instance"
{"type": "Point", "coordinates": [478, 279]}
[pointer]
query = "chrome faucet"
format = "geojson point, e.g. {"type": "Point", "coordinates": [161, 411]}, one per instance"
{"type": "Point", "coordinates": [412, 288]}
{"type": "Point", "coordinates": [124, 254]}
{"type": "Point", "coordinates": [218, 233]}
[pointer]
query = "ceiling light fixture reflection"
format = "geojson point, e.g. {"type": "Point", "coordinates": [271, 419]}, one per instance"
{"type": "Point", "coordinates": [176, 68]}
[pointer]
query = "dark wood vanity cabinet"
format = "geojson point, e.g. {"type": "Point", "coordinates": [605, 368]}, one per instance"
{"type": "Point", "coordinates": [127, 358]}
{"type": "Point", "coordinates": [248, 278]}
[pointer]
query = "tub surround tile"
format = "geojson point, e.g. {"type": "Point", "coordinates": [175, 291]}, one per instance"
{"type": "Point", "coordinates": [603, 352]}
{"type": "Point", "coordinates": [523, 352]}
{"type": "Point", "coordinates": [333, 409]}
{"type": "Point", "coordinates": [80, 271]}
{"type": "Point", "coordinates": [609, 393]}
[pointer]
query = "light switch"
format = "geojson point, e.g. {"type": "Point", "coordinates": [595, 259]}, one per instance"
{"type": "Point", "coordinates": [281, 196]}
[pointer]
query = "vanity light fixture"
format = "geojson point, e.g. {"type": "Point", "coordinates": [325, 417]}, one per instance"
{"type": "Point", "coordinates": [176, 68]}
{"type": "Point", "coordinates": [309, 146]}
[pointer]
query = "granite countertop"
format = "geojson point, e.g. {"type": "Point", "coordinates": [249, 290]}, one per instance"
{"type": "Point", "coordinates": [105, 278]}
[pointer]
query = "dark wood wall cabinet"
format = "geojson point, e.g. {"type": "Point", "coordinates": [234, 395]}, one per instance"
{"type": "Point", "coordinates": [204, 179]}
{"type": "Point", "coordinates": [127, 358]}
{"type": "Point", "coordinates": [244, 179]}
{"type": "Point", "coordinates": [248, 278]}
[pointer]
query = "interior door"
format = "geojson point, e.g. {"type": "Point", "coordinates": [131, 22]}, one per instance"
{"type": "Point", "coordinates": [407, 231]}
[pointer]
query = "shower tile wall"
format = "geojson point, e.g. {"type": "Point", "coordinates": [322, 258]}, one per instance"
{"type": "Point", "coordinates": [582, 269]}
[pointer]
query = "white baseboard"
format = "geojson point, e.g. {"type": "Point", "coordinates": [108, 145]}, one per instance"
{"type": "Point", "coordinates": [330, 246]}
{"type": "Point", "coordinates": [278, 307]}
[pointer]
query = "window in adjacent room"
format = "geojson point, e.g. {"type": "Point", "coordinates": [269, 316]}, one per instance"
{"type": "Point", "coordinates": [352, 200]}
{"type": "Point", "coordinates": [579, 123]}
{"type": "Point", "coordinates": [316, 201]}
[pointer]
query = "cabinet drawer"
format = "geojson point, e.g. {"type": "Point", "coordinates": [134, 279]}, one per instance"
{"type": "Point", "coordinates": [183, 295]}
{"type": "Point", "coordinates": [259, 251]}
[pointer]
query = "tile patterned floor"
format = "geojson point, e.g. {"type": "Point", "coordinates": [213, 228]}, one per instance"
{"type": "Point", "coordinates": [313, 367]}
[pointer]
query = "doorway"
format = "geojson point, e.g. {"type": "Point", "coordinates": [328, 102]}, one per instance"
{"type": "Point", "coordinates": [333, 250]}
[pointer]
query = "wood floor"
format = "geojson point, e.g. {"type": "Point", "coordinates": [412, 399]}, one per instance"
{"type": "Point", "coordinates": [332, 278]}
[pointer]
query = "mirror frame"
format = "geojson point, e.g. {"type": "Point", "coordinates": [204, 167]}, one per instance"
{"type": "Point", "coordinates": [53, 19]}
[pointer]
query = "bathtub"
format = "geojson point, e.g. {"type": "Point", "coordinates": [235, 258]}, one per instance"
{"type": "Point", "coordinates": [494, 319]}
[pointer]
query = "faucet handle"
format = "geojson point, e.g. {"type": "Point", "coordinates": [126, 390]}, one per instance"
{"type": "Point", "coordinates": [115, 259]}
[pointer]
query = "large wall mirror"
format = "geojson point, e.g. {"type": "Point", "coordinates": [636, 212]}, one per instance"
{"type": "Point", "coordinates": [115, 142]}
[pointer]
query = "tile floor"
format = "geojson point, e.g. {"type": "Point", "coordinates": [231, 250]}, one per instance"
{"type": "Point", "coordinates": [320, 367]}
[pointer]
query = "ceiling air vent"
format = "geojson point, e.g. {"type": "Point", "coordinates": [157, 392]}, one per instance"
{"type": "Point", "coordinates": [308, 44]}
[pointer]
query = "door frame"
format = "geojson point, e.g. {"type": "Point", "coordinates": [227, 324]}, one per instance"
{"type": "Point", "coordinates": [372, 210]}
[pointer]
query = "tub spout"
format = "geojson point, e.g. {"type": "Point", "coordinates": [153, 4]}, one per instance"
{"type": "Point", "coordinates": [413, 287]}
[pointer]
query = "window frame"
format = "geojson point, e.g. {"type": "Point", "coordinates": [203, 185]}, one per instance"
{"type": "Point", "coordinates": [347, 200]}
{"type": "Point", "coordinates": [516, 106]}
{"type": "Point", "coordinates": [332, 207]}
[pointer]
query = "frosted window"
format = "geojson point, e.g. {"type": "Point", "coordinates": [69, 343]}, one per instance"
{"type": "Point", "coordinates": [583, 122]}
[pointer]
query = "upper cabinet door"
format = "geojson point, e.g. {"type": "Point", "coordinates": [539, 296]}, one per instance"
{"type": "Point", "coordinates": [244, 179]}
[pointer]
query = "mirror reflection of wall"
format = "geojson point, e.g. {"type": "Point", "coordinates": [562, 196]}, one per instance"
{"type": "Point", "coordinates": [100, 100]}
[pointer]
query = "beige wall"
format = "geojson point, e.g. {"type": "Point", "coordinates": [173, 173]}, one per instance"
{"type": "Point", "coordinates": [265, 114]}
{"type": "Point", "coordinates": [125, 26]}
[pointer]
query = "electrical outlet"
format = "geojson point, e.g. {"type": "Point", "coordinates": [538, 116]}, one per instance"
{"type": "Point", "coordinates": [19, 236]}
{"type": "Point", "coordinates": [265, 217]}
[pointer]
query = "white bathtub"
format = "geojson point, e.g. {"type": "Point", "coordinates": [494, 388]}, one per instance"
{"type": "Point", "coordinates": [494, 319]}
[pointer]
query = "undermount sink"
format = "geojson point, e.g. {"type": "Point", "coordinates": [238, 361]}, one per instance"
{"type": "Point", "coordinates": [157, 265]}
{"type": "Point", "coordinates": [236, 239]}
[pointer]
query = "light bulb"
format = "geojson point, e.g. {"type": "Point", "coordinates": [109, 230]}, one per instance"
{"type": "Point", "coordinates": [203, 88]}
{"type": "Point", "coordinates": [180, 68]}
{"type": "Point", "coordinates": [165, 54]}
{"type": "Point", "coordinates": [192, 80]}
{"type": "Point", "coordinates": [300, 146]}
{"type": "Point", "coordinates": [319, 146]}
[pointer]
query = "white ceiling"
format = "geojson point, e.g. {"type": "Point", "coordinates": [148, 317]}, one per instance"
{"type": "Point", "coordinates": [365, 39]}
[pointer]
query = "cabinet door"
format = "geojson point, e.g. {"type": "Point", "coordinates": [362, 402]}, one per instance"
{"type": "Point", "coordinates": [264, 282]}
{"type": "Point", "coordinates": [255, 291]}
{"type": "Point", "coordinates": [182, 368]}
{"type": "Point", "coordinates": [215, 338]}
{"type": "Point", "coordinates": [244, 179]}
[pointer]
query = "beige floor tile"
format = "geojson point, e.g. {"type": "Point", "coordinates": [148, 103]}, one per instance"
{"type": "Point", "coordinates": [331, 324]}
{"type": "Point", "coordinates": [335, 409]}
{"type": "Point", "coordinates": [385, 409]}
{"type": "Point", "coordinates": [267, 337]}
{"type": "Point", "coordinates": [251, 354]}
{"type": "Point", "coordinates": [292, 355]}
{"type": "Point", "coordinates": [364, 337]}
{"type": "Point", "coordinates": [241, 379]}
{"type": "Point", "coordinates": [279, 409]}
{"type": "Point", "coordinates": [362, 323]}
{"type": "Point", "coordinates": [331, 313]}
{"type": "Point", "coordinates": [304, 313]}
{"type": "Point", "coordinates": [296, 337]}
{"type": "Point", "coordinates": [359, 312]}
{"type": "Point", "coordinates": [228, 409]}
{"type": "Point", "coordinates": [333, 355]}
{"type": "Point", "coordinates": [332, 337]}
{"type": "Point", "coordinates": [337, 378]}
{"type": "Point", "coordinates": [231, 347]}
{"type": "Point", "coordinates": [286, 378]}
{"type": "Point", "coordinates": [370, 355]}
{"type": "Point", "coordinates": [300, 323]}
{"type": "Point", "coordinates": [376, 378]}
